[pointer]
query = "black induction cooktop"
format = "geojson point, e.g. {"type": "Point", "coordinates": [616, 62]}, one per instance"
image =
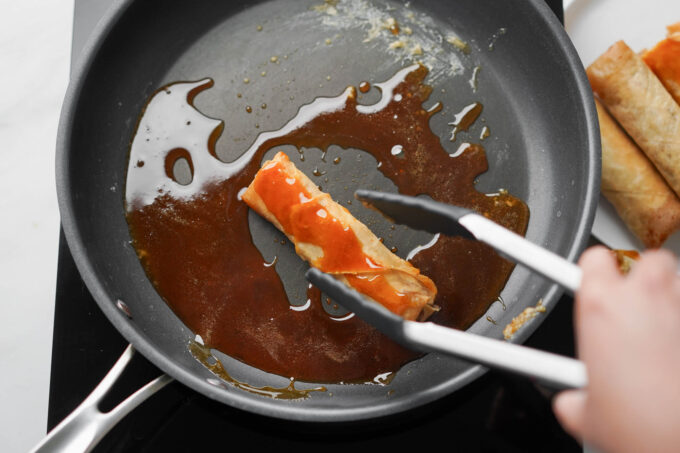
{"type": "Point", "coordinates": [497, 412]}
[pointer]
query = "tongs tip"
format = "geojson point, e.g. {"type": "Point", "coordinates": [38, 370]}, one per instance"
{"type": "Point", "coordinates": [369, 310]}
{"type": "Point", "coordinates": [421, 213]}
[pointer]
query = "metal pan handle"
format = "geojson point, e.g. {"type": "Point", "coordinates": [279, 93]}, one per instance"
{"type": "Point", "coordinates": [87, 425]}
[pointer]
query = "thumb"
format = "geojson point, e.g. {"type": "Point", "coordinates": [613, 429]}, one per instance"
{"type": "Point", "coordinates": [569, 408]}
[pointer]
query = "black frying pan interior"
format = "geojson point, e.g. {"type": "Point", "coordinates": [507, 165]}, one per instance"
{"type": "Point", "coordinates": [543, 147]}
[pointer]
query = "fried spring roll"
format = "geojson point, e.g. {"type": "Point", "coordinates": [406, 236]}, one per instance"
{"type": "Point", "coordinates": [640, 195]}
{"type": "Point", "coordinates": [327, 236]}
{"type": "Point", "coordinates": [664, 60]}
{"type": "Point", "coordinates": [641, 105]}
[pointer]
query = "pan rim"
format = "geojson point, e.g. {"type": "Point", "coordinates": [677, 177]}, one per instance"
{"type": "Point", "coordinates": [144, 345]}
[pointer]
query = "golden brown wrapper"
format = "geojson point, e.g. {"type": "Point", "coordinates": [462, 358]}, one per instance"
{"type": "Point", "coordinates": [630, 182]}
{"type": "Point", "coordinates": [641, 105]}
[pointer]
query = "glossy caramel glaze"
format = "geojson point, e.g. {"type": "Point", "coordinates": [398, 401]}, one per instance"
{"type": "Point", "coordinates": [309, 222]}
{"type": "Point", "coordinates": [196, 247]}
{"type": "Point", "coordinates": [205, 356]}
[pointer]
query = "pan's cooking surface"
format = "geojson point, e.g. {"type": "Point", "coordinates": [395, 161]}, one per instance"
{"type": "Point", "coordinates": [194, 239]}
{"type": "Point", "coordinates": [543, 148]}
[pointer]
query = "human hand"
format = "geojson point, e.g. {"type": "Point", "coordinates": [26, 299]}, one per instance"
{"type": "Point", "coordinates": [628, 334]}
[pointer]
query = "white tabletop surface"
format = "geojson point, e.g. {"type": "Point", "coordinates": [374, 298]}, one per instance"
{"type": "Point", "coordinates": [35, 43]}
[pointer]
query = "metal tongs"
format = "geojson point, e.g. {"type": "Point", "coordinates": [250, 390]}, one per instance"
{"type": "Point", "coordinates": [424, 214]}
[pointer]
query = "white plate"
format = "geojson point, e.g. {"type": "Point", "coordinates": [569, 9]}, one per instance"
{"type": "Point", "coordinates": [593, 26]}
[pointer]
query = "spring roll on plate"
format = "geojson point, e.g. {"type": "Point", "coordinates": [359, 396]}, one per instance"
{"type": "Point", "coordinates": [329, 238]}
{"type": "Point", "coordinates": [630, 182]}
{"type": "Point", "coordinates": [664, 60]}
{"type": "Point", "coordinates": [639, 102]}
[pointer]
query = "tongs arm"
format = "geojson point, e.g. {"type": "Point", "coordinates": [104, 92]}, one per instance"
{"type": "Point", "coordinates": [436, 217]}
{"type": "Point", "coordinates": [551, 369]}
{"type": "Point", "coordinates": [522, 251]}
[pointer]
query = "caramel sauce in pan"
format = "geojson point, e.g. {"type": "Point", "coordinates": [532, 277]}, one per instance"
{"type": "Point", "coordinates": [195, 245]}
{"type": "Point", "coordinates": [465, 118]}
{"type": "Point", "coordinates": [208, 360]}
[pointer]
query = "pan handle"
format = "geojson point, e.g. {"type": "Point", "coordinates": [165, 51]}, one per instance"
{"type": "Point", "coordinates": [87, 425]}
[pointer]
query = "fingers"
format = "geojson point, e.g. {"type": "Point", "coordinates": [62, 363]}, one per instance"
{"type": "Point", "coordinates": [600, 275]}
{"type": "Point", "coordinates": [599, 264]}
{"type": "Point", "coordinates": [569, 408]}
{"type": "Point", "coordinates": [615, 315]}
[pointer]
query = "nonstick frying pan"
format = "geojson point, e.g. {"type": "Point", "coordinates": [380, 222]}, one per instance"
{"type": "Point", "coordinates": [544, 148]}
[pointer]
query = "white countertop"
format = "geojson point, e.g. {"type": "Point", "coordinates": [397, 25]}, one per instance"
{"type": "Point", "coordinates": [35, 46]}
